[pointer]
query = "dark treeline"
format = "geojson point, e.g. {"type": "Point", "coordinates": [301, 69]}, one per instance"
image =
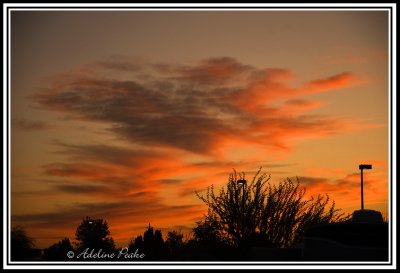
{"type": "Point", "coordinates": [242, 215]}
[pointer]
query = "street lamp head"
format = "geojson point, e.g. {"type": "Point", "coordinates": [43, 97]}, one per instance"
{"type": "Point", "coordinates": [365, 166]}
{"type": "Point", "coordinates": [241, 182]}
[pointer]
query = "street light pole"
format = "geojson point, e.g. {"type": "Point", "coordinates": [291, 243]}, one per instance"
{"type": "Point", "coordinates": [362, 167]}
{"type": "Point", "coordinates": [243, 183]}
{"type": "Point", "coordinates": [362, 190]}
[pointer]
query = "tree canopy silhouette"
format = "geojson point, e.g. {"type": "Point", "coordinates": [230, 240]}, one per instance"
{"type": "Point", "coordinates": [22, 246]}
{"type": "Point", "coordinates": [58, 251]}
{"type": "Point", "coordinates": [94, 234]}
{"type": "Point", "coordinates": [255, 212]}
{"type": "Point", "coordinates": [175, 243]}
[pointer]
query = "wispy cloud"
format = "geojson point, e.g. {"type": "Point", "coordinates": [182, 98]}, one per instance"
{"type": "Point", "coordinates": [29, 125]}
{"type": "Point", "coordinates": [341, 80]}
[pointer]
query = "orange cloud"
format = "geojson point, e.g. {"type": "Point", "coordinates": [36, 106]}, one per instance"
{"type": "Point", "coordinates": [341, 80]}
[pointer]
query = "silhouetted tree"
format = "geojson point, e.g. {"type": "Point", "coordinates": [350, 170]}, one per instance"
{"type": "Point", "coordinates": [151, 244]}
{"type": "Point", "coordinates": [276, 215]}
{"type": "Point", "coordinates": [286, 215]}
{"type": "Point", "coordinates": [137, 243]}
{"type": "Point", "coordinates": [22, 246]}
{"type": "Point", "coordinates": [58, 251]}
{"type": "Point", "coordinates": [209, 231]}
{"type": "Point", "coordinates": [94, 234]}
{"type": "Point", "coordinates": [175, 243]}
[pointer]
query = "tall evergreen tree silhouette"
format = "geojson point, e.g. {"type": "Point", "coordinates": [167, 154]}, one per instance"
{"type": "Point", "coordinates": [151, 244]}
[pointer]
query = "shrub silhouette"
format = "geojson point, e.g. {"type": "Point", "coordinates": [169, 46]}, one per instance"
{"type": "Point", "coordinates": [58, 251]}
{"type": "Point", "coordinates": [94, 234]}
{"type": "Point", "coordinates": [22, 246]}
{"type": "Point", "coordinates": [276, 215]}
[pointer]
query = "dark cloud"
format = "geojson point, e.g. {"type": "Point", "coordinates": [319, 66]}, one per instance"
{"type": "Point", "coordinates": [103, 180]}
{"type": "Point", "coordinates": [188, 133]}
{"type": "Point", "coordinates": [171, 181]}
{"type": "Point", "coordinates": [117, 65]}
{"type": "Point", "coordinates": [140, 114]}
{"type": "Point", "coordinates": [36, 193]}
{"type": "Point", "coordinates": [300, 103]}
{"type": "Point", "coordinates": [213, 71]}
{"type": "Point", "coordinates": [310, 181]}
{"type": "Point", "coordinates": [231, 164]}
{"type": "Point", "coordinates": [29, 125]}
{"type": "Point", "coordinates": [186, 107]}
{"type": "Point", "coordinates": [80, 189]}
{"type": "Point", "coordinates": [122, 156]}
{"type": "Point", "coordinates": [71, 170]}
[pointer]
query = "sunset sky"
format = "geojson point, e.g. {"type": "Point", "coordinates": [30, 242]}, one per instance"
{"type": "Point", "coordinates": [123, 115]}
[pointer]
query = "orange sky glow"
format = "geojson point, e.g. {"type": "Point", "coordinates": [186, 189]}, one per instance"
{"type": "Point", "coordinates": [125, 115]}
